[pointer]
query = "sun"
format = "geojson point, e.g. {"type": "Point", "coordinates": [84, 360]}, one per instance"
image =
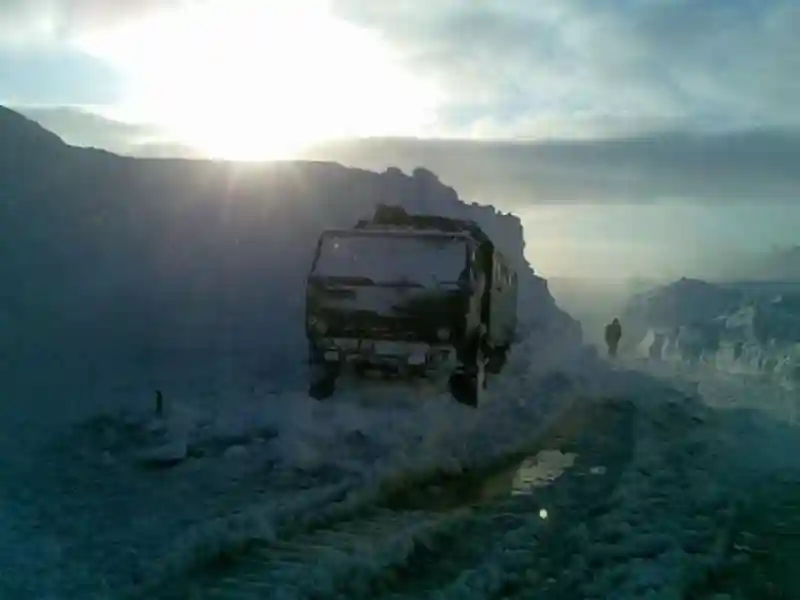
{"type": "Point", "coordinates": [255, 80]}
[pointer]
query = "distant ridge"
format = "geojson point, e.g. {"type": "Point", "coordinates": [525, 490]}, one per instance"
{"type": "Point", "coordinates": [18, 130]}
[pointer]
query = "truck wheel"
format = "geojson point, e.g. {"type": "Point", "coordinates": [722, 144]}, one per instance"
{"type": "Point", "coordinates": [323, 385]}
{"type": "Point", "coordinates": [321, 378]}
{"type": "Point", "coordinates": [468, 386]}
{"type": "Point", "coordinates": [497, 360]}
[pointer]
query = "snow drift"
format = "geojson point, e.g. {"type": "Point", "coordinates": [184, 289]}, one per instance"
{"type": "Point", "coordinates": [160, 267]}
{"type": "Point", "coordinates": [737, 328]}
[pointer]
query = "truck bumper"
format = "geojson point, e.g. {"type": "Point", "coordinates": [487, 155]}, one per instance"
{"type": "Point", "coordinates": [398, 356]}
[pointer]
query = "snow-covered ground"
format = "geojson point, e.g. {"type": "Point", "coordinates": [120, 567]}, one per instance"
{"type": "Point", "coordinates": [297, 497]}
{"type": "Point", "coordinates": [392, 492]}
{"type": "Point", "coordinates": [94, 513]}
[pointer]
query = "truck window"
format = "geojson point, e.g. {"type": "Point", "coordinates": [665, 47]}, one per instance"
{"type": "Point", "coordinates": [388, 259]}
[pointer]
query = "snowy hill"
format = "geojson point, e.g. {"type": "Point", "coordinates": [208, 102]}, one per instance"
{"type": "Point", "coordinates": [737, 328]}
{"type": "Point", "coordinates": [147, 264]}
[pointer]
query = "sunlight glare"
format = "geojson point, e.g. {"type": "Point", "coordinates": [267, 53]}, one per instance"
{"type": "Point", "coordinates": [249, 79]}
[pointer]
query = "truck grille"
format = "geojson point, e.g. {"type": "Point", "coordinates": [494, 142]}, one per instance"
{"type": "Point", "coordinates": [372, 326]}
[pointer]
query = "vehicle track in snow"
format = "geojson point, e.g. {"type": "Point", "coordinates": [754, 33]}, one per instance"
{"type": "Point", "coordinates": [763, 546]}
{"type": "Point", "coordinates": [440, 535]}
{"type": "Point", "coordinates": [97, 518]}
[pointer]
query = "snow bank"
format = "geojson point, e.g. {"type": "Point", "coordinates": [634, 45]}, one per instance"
{"type": "Point", "coordinates": [130, 275]}
{"type": "Point", "coordinates": [749, 329]}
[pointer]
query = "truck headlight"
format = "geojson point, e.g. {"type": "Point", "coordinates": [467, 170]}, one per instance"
{"type": "Point", "coordinates": [443, 333]}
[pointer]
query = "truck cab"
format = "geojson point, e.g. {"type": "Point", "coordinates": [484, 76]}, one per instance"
{"type": "Point", "coordinates": [409, 296]}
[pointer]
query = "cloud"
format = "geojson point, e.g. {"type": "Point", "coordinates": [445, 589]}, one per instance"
{"type": "Point", "coordinates": [755, 166]}
{"type": "Point", "coordinates": [27, 21]}
{"type": "Point", "coordinates": [79, 126]}
{"type": "Point", "coordinates": [41, 61]}
{"type": "Point", "coordinates": [550, 69]}
{"type": "Point", "coordinates": [749, 167]}
{"type": "Point", "coordinates": [32, 76]}
{"type": "Point", "coordinates": [644, 65]}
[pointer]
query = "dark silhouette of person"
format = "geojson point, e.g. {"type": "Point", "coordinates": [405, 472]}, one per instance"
{"type": "Point", "coordinates": [613, 335]}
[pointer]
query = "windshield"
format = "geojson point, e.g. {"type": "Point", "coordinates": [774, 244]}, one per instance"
{"type": "Point", "coordinates": [391, 259]}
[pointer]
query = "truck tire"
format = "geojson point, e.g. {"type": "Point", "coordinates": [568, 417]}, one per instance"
{"type": "Point", "coordinates": [468, 386]}
{"type": "Point", "coordinates": [322, 377]}
{"type": "Point", "coordinates": [497, 360]}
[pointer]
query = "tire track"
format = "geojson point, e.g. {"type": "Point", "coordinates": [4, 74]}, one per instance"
{"type": "Point", "coordinates": [107, 520]}
{"type": "Point", "coordinates": [447, 532]}
{"type": "Point", "coordinates": [264, 519]}
{"type": "Point", "coordinates": [321, 562]}
{"type": "Point", "coordinates": [512, 538]}
{"type": "Point", "coordinates": [762, 547]}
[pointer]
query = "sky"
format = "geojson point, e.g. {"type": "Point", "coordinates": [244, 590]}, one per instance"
{"type": "Point", "coordinates": [631, 136]}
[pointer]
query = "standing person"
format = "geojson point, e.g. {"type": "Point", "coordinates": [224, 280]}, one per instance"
{"type": "Point", "coordinates": [613, 335]}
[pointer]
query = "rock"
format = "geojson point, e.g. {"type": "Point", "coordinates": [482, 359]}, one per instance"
{"type": "Point", "coordinates": [166, 455]}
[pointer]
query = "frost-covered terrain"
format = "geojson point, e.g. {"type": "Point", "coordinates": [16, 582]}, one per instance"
{"type": "Point", "coordinates": [751, 329]}
{"type": "Point", "coordinates": [387, 494]}
{"type": "Point", "coordinates": [577, 480]}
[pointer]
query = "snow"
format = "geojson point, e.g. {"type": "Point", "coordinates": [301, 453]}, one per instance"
{"type": "Point", "coordinates": [196, 290]}
{"type": "Point", "coordinates": [737, 329]}
{"type": "Point", "coordinates": [353, 453]}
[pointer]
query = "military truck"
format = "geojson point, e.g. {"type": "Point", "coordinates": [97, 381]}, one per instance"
{"type": "Point", "coordinates": [409, 296]}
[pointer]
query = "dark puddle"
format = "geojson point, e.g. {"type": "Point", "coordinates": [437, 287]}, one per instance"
{"type": "Point", "coordinates": [578, 443]}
